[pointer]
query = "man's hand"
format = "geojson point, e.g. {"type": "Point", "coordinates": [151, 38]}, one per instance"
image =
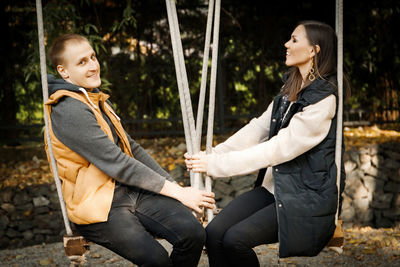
{"type": "Point", "coordinates": [197, 162]}
{"type": "Point", "coordinates": [192, 198]}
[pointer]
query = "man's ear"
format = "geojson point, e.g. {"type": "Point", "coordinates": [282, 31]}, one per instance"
{"type": "Point", "coordinates": [62, 71]}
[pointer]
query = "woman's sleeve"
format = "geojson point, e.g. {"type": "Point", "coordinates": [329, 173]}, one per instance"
{"type": "Point", "coordinates": [256, 131]}
{"type": "Point", "coordinates": [306, 129]}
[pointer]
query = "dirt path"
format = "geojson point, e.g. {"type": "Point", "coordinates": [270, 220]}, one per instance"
{"type": "Point", "coordinates": [363, 247]}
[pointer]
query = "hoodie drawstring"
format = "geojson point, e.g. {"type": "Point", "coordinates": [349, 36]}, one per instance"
{"type": "Point", "coordinates": [87, 97]}
{"type": "Point", "coordinates": [112, 111]}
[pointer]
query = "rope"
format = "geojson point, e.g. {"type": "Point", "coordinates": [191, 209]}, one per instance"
{"type": "Point", "coordinates": [45, 97]}
{"type": "Point", "coordinates": [183, 85]}
{"type": "Point", "coordinates": [193, 134]}
{"type": "Point", "coordinates": [206, 53]}
{"type": "Point", "coordinates": [172, 27]}
{"type": "Point", "coordinates": [339, 127]}
{"type": "Point", "coordinates": [211, 104]}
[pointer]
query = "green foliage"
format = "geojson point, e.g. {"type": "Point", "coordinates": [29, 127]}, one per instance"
{"type": "Point", "coordinates": [133, 44]}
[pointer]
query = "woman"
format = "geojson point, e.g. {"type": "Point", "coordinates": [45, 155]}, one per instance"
{"type": "Point", "coordinates": [295, 199]}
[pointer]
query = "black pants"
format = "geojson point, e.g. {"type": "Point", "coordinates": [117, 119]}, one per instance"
{"type": "Point", "coordinates": [248, 221]}
{"type": "Point", "coordinates": [135, 218]}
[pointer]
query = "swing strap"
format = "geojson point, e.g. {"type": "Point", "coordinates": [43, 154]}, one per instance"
{"type": "Point", "coordinates": [193, 134]}
{"type": "Point", "coordinates": [75, 246]}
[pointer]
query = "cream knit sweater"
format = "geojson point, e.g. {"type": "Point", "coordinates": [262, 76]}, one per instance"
{"type": "Point", "coordinates": [249, 149]}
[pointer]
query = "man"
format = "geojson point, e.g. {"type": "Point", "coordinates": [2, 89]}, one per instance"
{"type": "Point", "coordinates": [116, 194]}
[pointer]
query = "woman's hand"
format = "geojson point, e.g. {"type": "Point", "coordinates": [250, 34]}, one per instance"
{"type": "Point", "coordinates": [192, 198]}
{"type": "Point", "coordinates": [197, 162]}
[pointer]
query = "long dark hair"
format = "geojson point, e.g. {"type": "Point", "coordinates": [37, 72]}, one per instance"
{"type": "Point", "coordinates": [325, 61]}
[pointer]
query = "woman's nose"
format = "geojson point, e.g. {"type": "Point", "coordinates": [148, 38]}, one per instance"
{"type": "Point", "coordinates": [286, 44]}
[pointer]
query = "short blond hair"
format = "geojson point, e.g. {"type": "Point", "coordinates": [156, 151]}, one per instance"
{"type": "Point", "coordinates": [58, 47]}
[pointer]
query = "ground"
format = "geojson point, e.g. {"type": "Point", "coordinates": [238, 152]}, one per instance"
{"type": "Point", "coordinates": [364, 246]}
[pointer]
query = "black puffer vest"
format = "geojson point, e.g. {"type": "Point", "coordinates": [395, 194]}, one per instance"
{"type": "Point", "coordinates": [305, 187]}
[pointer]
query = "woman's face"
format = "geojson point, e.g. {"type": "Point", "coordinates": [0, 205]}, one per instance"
{"type": "Point", "coordinates": [299, 52]}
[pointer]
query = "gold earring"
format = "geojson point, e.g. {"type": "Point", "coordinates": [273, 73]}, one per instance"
{"type": "Point", "coordinates": [311, 75]}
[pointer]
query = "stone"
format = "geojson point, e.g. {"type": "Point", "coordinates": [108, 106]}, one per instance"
{"type": "Point", "coordinates": [396, 200]}
{"type": "Point", "coordinates": [377, 160]}
{"type": "Point", "coordinates": [39, 238]}
{"type": "Point", "coordinates": [52, 239]}
{"type": "Point", "coordinates": [354, 156]}
{"type": "Point", "coordinates": [392, 164]}
{"type": "Point", "coordinates": [41, 210]}
{"type": "Point", "coordinates": [392, 187]}
{"type": "Point", "coordinates": [348, 214]}
{"type": "Point", "coordinates": [21, 198]}
{"type": "Point", "coordinates": [365, 215]}
{"type": "Point", "coordinates": [42, 231]}
{"type": "Point", "coordinates": [223, 187]}
{"type": "Point", "coordinates": [11, 233]}
{"type": "Point", "coordinates": [6, 195]}
{"type": "Point", "coordinates": [28, 235]}
{"type": "Point", "coordinates": [393, 155]}
{"type": "Point", "coordinates": [24, 225]}
{"type": "Point", "coordinates": [240, 182]}
{"type": "Point", "coordinates": [395, 176]}
{"type": "Point", "coordinates": [362, 192]}
{"type": "Point", "coordinates": [4, 221]}
{"type": "Point", "coordinates": [364, 158]}
{"type": "Point", "coordinates": [392, 213]}
{"type": "Point", "coordinates": [373, 150]}
{"type": "Point", "coordinates": [361, 204]}
{"type": "Point", "coordinates": [372, 184]}
{"type": "Point", "coordinates": [225, 201]}
{"type": "Point", "coordinates": [178, 172]}
{"type": "Point", "coordinates": [40, 201]}
{"type": "Point", "coordinates": [4, 242]}
{"type": "Point", "coordinates": [349, 166]}
{"type": "Point", "coordinates": [8, 207]}
{"type": "Point", "coordinates": [383, 223]}
{"type": "Point", "coordinates": [25, 207]}
{"type": "Point", "coordinates": [40, 190]}
{"type": "Point", "coordinates": [181, 147]}
{"type": "Point", "coordinates": [382, 201]}
{"type": "Point", "coordinates": [371, 170]}
{"type": "Point", "coordinates": [365, 166]}
{"type": "Point", "coordinates": [353, 182]}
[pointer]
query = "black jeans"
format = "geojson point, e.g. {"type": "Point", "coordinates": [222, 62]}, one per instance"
{"type": "Point", "coordinates": [248, 221]}
{"type": "Point", "coordinates": [136, 216]}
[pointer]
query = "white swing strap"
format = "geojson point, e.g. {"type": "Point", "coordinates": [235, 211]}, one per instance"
{"type": "Point", "coordinates": [211, 103]}
{"type": "Point", "coordinates": [339, 127]}
{"type": "Point", "coordinates": [183, 85]}
{"type": "Point", "coordinates": [74, 246]}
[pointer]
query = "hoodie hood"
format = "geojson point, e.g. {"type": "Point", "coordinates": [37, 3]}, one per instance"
{"type": "Point", "coordinates": [60, 84]}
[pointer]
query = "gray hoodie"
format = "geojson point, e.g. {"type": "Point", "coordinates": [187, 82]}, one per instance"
{"type": "Point", "coordinates": [75, 125]}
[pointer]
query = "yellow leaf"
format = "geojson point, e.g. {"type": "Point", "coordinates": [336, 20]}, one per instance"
{"type": "Point", "coordinates": [45, 262]}
{"type": "Point", "coordinates": [171, 166]}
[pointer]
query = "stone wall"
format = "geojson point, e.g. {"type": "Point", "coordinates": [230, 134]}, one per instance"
{"type": "Point", "coordinates": [372, 193]}
{"type": "Point", "coordinates": [30, 216]}
{"type": "Point", "coordinates": [372, 197]}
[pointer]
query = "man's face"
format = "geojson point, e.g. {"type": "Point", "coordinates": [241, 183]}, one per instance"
{"type": "Point", "coordinates": [80, 65]}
